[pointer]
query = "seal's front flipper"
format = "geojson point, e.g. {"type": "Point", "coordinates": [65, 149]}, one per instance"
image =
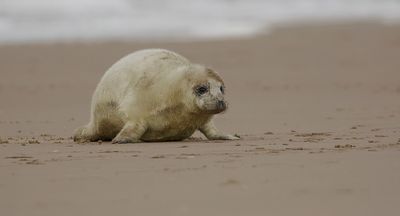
{"type": "Point", "coordinates": [212, 133]}
{"type": "Point", "coordinates": [85, 134]}
{"type": "Point", "coordinates": [130, 133]}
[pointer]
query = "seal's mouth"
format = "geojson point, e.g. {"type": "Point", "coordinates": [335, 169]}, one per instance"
{"type": "Point", "coordinates": [218, 107]}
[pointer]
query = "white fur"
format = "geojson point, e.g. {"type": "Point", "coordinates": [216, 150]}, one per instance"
{"type": "Point", "coordinates": [148, 96]}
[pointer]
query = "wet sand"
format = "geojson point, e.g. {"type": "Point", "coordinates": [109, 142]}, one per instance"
{"type": "Point", "coordinates": [317, 107]}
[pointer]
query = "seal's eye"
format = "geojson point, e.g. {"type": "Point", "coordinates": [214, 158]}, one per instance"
{"type": "Point", "coordinates": [222, 89]}
{"type": "Point", "coordinates": [201, 90]}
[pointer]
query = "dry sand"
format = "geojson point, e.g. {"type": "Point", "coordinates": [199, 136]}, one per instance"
{"type": "Point", "coordinates": [317, 107]}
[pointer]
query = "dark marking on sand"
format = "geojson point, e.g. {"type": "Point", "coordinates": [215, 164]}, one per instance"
{"type": "Point", "coordinates": [18, 157]}
{"type": "Point", "coordinates": [230, 182]}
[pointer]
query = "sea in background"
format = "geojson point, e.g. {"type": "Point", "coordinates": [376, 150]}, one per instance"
{"type": "Point", "coordinates": [25, 21]}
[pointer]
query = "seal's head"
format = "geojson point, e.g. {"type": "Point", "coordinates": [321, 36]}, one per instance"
{"type": "Point", "coordinates": [208, 92]}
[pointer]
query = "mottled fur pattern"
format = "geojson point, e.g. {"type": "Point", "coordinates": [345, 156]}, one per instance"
{"type": "Point", "coordinates": [149, 95]}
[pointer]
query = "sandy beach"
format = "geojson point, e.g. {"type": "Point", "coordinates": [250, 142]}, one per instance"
{"type": "Point", "coordinates": [317, 108]}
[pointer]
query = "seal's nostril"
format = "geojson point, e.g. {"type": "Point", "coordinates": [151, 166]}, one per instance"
{"type": "Point", "coordinates": [221, 104]}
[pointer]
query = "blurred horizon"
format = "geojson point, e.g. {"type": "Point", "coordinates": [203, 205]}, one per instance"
{"type": "Point", "coordinates": [23, 21]}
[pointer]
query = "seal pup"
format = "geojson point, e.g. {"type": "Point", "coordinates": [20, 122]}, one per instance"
{"type": "Point", "coordinates": [155, 95]}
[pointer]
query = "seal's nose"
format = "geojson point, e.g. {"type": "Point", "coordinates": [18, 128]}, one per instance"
{"type": "Point", "coordinates": [221, 105]}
